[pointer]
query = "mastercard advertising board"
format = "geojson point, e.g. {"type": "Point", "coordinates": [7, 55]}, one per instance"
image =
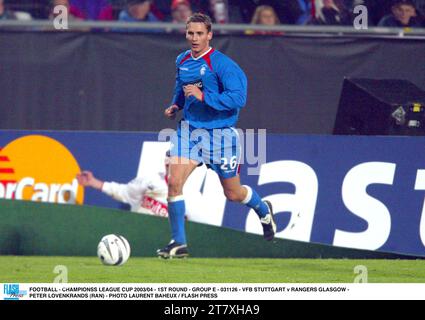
{"type": "Point", "coordinates": [39, 168]}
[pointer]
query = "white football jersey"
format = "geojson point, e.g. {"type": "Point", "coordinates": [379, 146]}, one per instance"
{"type": "Point", "coordinates": [144, 195]}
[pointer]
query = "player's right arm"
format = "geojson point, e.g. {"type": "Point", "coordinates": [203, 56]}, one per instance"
{"type": "Point", "coordinates": [171, 111]}
{"type": "Point", "coordinates": [178, 97]}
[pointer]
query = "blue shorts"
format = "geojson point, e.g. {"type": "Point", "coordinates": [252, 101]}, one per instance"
{"type": "Point", "coordinates": [219, 149]}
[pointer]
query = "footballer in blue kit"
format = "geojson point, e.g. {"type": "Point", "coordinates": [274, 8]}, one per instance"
{"type": "Point", "coordinates": [210, 89]}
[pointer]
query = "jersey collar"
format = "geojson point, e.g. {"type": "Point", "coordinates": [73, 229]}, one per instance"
{"type": "Point", "coordinates": [205, 53]}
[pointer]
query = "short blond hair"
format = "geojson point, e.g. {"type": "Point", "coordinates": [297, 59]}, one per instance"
{"type": "Point", "coordinates": [201, 18]}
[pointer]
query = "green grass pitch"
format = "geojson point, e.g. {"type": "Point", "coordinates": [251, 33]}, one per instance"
{"type": "Point", "coordinates": [36, 269]}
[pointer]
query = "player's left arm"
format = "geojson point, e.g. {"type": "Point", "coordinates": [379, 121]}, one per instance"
{"type": "Point", "coordinates": [234, 94]}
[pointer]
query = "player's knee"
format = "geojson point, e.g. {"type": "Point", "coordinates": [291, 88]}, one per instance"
{"type": "Point", "coordinates": [175, 186]}
{"type": "Point", "coordinates": [233, 195]}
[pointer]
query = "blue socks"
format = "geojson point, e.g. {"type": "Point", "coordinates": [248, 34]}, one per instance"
{"type": "Point", "coordinates": [177, 210]}
{"type": "Point", "coordinates": [176, 216]}
{"type": "Point", "coordinates": [254, 201]}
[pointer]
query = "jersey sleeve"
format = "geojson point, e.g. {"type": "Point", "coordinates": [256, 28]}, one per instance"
{"type": "Point", "coordinates": [178, 97]}
{"type": "Point", "coordinates": [131, 193]}
{"type": "Point", "coordinates": [234, 84]}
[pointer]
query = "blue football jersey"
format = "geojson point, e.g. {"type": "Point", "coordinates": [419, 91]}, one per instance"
{"type": "Point", "coordinates": [224, 87]}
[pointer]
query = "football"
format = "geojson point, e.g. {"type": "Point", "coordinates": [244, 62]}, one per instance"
{"type": "Point", "coordinates": [113, 250]}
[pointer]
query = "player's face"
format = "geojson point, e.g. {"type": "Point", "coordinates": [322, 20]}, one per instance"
{"type": "Point", "coordinates": [198, 37]}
